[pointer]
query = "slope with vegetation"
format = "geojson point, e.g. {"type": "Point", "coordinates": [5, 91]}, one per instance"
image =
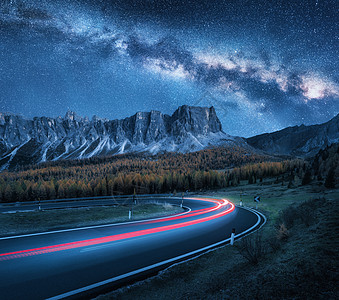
{"type": "Point", "coordinates": [294, 256]}
{"type": "Point", "coordinates": [212, 168]}
{"type": "Point", "coordinates": [326, 165]}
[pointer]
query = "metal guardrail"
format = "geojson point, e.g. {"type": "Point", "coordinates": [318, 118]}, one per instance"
{"type": "Point", "coordinates": [22, 203]}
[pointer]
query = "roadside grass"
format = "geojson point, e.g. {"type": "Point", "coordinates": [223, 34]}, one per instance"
{"type": "Point", "coordinates": [275, 197]}
{"type": "Point", "coordinates": [302, 265]}
{"type": "Point", "coordinates": [31, 222]}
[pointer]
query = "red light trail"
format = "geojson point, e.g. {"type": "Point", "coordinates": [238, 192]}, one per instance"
{"type": "Point", "coordinates": [220, 204]}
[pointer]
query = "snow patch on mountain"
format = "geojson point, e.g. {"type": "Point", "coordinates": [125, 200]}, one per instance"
{"type": "Point", "coordinates": [74, 137]}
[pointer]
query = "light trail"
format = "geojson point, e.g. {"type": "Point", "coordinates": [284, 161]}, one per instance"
{"type": "Point", "coordinates": [220, 205]}
{"type": "Point", "coordinates": [193, 213]}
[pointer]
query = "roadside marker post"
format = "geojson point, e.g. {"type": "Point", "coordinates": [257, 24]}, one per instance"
{"type": "Point", "coordinates": [232, 236]}
{"type": "Point", "coordinates": [129, 214]}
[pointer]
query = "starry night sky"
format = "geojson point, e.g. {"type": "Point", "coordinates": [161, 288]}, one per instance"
{"type": "Point", "coordinates": [264, 65]}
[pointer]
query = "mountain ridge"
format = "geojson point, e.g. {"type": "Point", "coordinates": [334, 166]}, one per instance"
{"type": "Point", "coordinates": [74, 137]}
{"type": "Point", "coordinates": [188, 129]}
{"type": "Point", "coordinates": [303, 140]}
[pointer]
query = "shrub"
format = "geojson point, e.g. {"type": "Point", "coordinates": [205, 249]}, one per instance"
{"type": "Point", "coordinates": [252, 248]}
{"type": "Point", "coordinates": [282, 233]}
{"type": "Point", "coordinates": [330, 178]}
{"type": "Point", "coordinates": [303, 212]}
{"type": "Point", "coordinates": [288, 216]}
{"type": "Point", "coordinates": [274, 243]}
{"type": "Point", "coordinates": [307, 216]}
{"type": "Point", "coordinates": [307, 178]}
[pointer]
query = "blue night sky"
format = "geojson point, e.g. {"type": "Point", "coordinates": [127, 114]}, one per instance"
{"type": "Point", "coordinates": [264, 65]}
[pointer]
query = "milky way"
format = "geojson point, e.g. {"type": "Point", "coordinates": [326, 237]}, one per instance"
{"type": "Point", "coordinates": [264, 65]}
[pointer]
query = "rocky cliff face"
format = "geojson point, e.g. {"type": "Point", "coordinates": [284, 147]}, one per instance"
{"type": "Point", "coordinates": [43, 139]}
{"type": "Point", "coordinates": [303, 141]}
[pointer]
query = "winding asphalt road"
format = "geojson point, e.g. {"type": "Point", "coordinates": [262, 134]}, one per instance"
{"type": "Point", "coordinates": [80, 262]}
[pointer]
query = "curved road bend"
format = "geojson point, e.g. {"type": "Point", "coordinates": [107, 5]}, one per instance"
{"type": "Point", "coordinates": [75, 262]}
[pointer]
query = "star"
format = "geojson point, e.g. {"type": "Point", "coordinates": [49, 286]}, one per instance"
{"type": "Point", "coordinates": [265, 66]}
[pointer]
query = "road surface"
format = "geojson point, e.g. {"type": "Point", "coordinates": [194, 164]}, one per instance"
{"type": "Point", "coordinates": [87, 261]}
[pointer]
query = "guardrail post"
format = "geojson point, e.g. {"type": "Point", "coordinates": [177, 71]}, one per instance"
{"type": "Point", "coordinates": [232, 236]}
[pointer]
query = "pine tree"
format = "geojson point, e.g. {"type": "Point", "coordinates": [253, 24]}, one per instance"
{"type": "Point", "coordinates": [330, 179]}
{"type": "Point", "coordinates": [307, 178]}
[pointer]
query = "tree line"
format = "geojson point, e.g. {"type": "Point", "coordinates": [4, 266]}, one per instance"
{"type": "Point", "coordinates": [206, 169]}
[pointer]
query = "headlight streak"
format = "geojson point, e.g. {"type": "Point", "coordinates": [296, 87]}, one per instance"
{"type": "Point", "coordinates": [222, 203]}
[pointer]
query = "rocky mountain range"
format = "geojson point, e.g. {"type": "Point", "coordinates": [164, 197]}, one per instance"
{"type": "Point", "coordinates": [73, 137]}
{"type": "Point", "coordinates": [189, 129]}
{"type": "Point", "coordinates": [301, 141]}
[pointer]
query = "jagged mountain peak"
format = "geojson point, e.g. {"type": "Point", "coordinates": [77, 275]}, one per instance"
{"type": "Point", "coordinates": [42, 139]}
{"type": "Point", "coordinates": [95, 118]}
{"type": "Point", "coordinates": [186, 109]}
{"type": "Point", "coordinates": [72, 116]}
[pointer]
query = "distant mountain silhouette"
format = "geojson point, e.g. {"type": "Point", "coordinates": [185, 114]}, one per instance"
{"type": "Point", "coordinates": [304, 141]}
